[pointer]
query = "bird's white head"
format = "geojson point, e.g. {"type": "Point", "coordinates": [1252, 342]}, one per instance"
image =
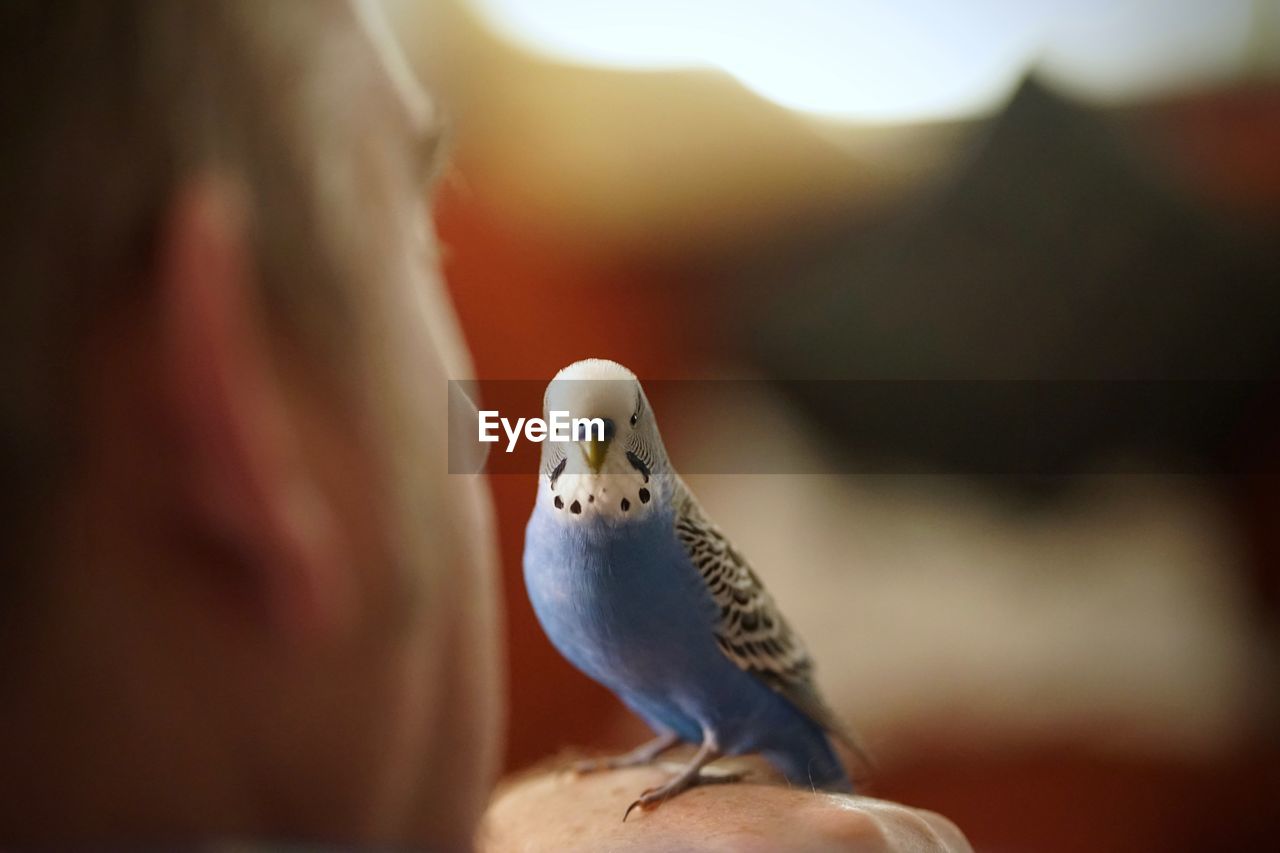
{"type": "Point", "coordinates": [615, 467]}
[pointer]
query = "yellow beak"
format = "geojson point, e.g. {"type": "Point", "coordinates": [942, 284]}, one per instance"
{"type": "Point", "coordinates": [594, 452]}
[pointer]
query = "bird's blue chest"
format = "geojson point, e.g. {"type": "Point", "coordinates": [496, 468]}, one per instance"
{"type": "Point", "coordinates": [617, 598]}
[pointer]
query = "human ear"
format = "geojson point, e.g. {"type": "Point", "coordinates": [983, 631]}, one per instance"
{"type": "Point", "coordinates": [243, 477]}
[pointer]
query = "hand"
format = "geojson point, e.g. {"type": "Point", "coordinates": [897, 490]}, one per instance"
{"type": "Point", "coordinates": [558, 810]}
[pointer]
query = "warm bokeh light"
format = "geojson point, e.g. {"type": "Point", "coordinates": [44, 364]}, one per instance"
{"type": "Point", "coordinates": [874, 61]}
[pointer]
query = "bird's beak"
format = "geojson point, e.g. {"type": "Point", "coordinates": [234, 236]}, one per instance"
{"type": "Point", "coordinates": [594, 452]}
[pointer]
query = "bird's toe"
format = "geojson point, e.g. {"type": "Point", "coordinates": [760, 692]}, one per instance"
{"type": "Point", "coordinates": [588, 765]}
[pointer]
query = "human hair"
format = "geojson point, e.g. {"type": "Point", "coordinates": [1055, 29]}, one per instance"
{"type": "Point", "coordinates": [109, 107]}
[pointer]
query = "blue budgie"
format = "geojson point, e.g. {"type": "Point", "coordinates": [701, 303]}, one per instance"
{"type": "Point", "coordinates": [642, 592]}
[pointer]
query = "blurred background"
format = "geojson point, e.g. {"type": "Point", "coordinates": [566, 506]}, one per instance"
{"type": "Point", "coordinates": [1063, 638]}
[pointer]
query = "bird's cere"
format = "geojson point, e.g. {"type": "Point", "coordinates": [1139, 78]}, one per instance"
{"type": "Point", "coordinates": [557, 427]}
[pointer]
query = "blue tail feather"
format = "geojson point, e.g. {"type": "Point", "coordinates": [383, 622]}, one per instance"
{"type": "Point", "coordinates": [816, 765]}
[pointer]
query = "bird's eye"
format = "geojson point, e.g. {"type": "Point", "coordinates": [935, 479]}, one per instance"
{"type": "Point", "coordinates": [635, 418]}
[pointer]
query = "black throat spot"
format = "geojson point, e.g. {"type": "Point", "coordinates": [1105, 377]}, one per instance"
{"type": "Point", "coordinates": [557, 471]}
{"type": "Point", "coordinates": [638, 464]}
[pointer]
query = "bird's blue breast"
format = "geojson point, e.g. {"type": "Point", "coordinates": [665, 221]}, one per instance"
{"type": "Point", "coordinates": [623, 602]}
{"type": "Point", "coordinates": [619, 599]}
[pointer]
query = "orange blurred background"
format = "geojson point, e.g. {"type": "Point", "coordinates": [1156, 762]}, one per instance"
{"type": "Point", "coordinates": [1122, 697]}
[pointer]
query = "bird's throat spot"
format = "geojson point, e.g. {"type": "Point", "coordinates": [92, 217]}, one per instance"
{"type": "Point", "coordinates": [581, 497]}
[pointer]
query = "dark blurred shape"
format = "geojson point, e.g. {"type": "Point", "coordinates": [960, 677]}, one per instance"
{"type": "Point", "coordinates": [1060, 252]}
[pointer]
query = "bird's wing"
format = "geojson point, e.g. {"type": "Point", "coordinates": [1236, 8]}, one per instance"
{"type": "Point", "coordinates": [751, 630]}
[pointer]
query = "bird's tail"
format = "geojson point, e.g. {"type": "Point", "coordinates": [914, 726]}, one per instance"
{"type": "Point", "coordinates": [815, 766]}
{"type": "Point", "coordinates": [805, 696]}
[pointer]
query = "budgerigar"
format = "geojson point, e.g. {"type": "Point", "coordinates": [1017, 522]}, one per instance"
{"type": "Point", "coordinates": [641, 591]}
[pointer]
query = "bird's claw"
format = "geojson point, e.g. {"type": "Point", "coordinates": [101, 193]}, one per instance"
{"type": "Point", "coordinates": [598, 765]}
{"type": "Point", "coordinates": [641, 756]}
{"type": "Point", "coordinates": [588, 765]}
{"type": "Point", "coordinates": [645, 800]}
{"type": "Point", "coordinates": [657, 796]}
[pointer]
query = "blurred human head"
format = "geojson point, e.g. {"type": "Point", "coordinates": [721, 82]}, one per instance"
{"type": "Point", "coordinates": [242, 597]}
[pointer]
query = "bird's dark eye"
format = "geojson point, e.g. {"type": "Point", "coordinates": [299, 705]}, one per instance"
{"type": "Point", "coordinates": [634, 418]}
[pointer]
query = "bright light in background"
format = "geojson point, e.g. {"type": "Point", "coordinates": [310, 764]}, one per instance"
{"type": "Point", "coordinates": [1108, 50]}
{"type": "Point", "coordinates": [893, 60]}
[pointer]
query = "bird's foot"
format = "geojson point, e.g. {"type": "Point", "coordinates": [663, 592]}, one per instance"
{"type": "Point", "coordinates": [644, 754]}
{"type": "Point", "coordinates": [654, 797]}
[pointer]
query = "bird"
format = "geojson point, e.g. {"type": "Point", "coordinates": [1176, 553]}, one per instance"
{"type": "Point", "coordinates": [635, 585]}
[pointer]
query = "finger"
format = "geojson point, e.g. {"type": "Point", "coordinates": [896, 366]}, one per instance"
{"type": "Point", "coordinates": [900, 827]}
{"type": "Point", "coordinates": [947, 832]}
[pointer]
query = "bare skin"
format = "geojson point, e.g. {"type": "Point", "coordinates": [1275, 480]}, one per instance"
{"type": "Point", "coordinates": [553, 810]}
